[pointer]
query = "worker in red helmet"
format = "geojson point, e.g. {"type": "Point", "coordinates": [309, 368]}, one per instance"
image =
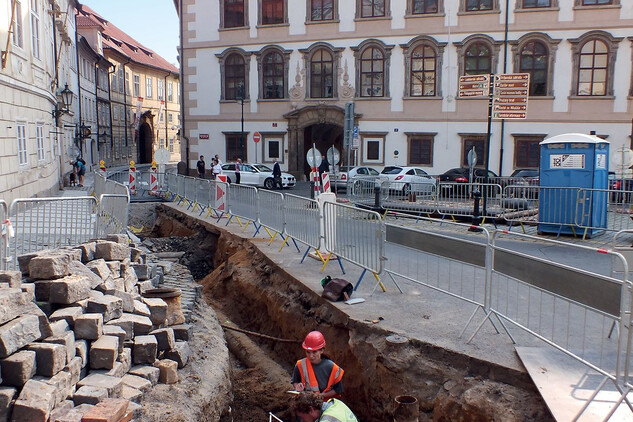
{"type": "Point", "coordinates": [316, 372]}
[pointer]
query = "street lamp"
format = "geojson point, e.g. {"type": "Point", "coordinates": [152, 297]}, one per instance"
{"type": "Point", "coordinates": [67, 101]}
{"type": "Point", "coordinates": [240, 98]}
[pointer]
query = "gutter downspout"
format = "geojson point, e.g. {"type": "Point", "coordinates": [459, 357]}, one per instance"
{"type": "Point", "coordinates": [181, 89]}
{"type": "Point", "coordinates": [110, 106]}
{"type": "Point", "coordinates": [97, 105]}
{"type": "Point", "coordinates": [55, 58]}
{"type": "Point", "coordinates": [78, 134]}
{"type": "Point", "coordinates": [505, 68]}
{"type": "Point", "coordinates": [166, 109]}
{"type": "Point", "coordinates": [125, 100]}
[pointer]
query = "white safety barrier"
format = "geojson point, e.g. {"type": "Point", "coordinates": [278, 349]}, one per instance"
{"type": "Point", "coordinates": [271, 210]}
{"type": "Point", "coordinates": [6, 230]}
{"type": "Point", "coordinates": [243, 202]}
{"type": "Point", "coordinates": [113, 216]}
{"type": "Point", "coordinates": [48, 223]}
{"type": "Point", "coordinates": [302, 220]}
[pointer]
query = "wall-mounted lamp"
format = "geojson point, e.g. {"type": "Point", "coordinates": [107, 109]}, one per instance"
{"type": "Point", "coordinates": [67, 101]}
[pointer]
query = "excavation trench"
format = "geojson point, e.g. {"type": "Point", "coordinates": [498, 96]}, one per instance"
{"type": "Point", "coordinates": [265, 313]}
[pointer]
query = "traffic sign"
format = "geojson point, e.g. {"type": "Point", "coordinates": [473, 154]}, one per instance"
{"type": "Point", "coordinates": [257, 137]}
{"type": "Point", "coordinates": [474, 86]}
{"type": "Point", "coordinates": [510, 96]}
{"type": "Point", "coordinates": [333, 156]}
{"type": "Point", "coordinates": [472, 158]}
{"type": "Point", "coordinates": [509, 115]}
{"type": "Point", "coordinates": [313, 157]}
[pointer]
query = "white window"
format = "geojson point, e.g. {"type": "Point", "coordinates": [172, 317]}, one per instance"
{"type": "Point", "coordinates": [137, 86]}
{"type": "Point", "coordinates": [161, 118]}
{"type": "Point", "coordinates": [39, 136]}
{"type": "Point", "coordinates": [113, 82]}
{"type": "Point", "coordinates": [116, 112]}
{"type": "Point", "coordinates": [121, 80]}
{"type": "Point", "coordinates": [161, 89]}
{"type": "Point", "coordinates": [373, 150]}
{"type": "Point", "coordinates": [171, 145]}
{"type": "Point", "coordinates": [273, 148]}
{"type": "Point", "coordinates": [170, 117]}
{"type": "Point", "coordinates": [17, 36]}
{"type": "Point", "coordinates": [161, 143]}
{"type": "Point", "coordinates": [170, 91]}
{"type": "Point", "coordinates": [35, 29]}
{"type": "Point", "coordinates": [23, 158]}
{"type": "Point", "coordinates": [148, 87]}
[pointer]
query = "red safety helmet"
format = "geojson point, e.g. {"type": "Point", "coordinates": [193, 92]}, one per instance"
{"type": "Point", "coordinates": [314, 341]}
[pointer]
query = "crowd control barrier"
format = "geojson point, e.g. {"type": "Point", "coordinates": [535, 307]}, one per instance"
{"type": "Point", "coordinates": [302, 220]}
{"type": "Point", "coordinates": [113, 214]}
{"type": "Point", "coordinates": [5, 235]}
{"type": "Point", "coordinates": [243, 204]}
{"type": "Point", "coordinates": [271, 212]}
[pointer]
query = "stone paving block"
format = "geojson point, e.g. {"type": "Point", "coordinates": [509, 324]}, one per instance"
{"type": "Point", "coordinates": [118, 370]}
{"type": "Point", "coordinates": [49, 358]}
{"type": "Point", "coordinates": [77, 268]}
{"type": "Point", "coordinates": [13, 278]}
{"type": "Point", "coordinates": [132, 394]}
{"type": "Point", "coordinates": [18, 333]}
{"type": "Point", "coordinates": [69, 289]}
{"type": "Point", "coordinates": [144, 286]}
{"type": "Point", "coordinates": [115, 268]}
{"type": "Point", "coordinates": [137, 256]}
{"type": "Point", "coordinates": [87, 251]}
{"type": "Point", "coordinates": [165, 338]}
{"type": "Point", "coordinates": [7, 394]}
{"type": "Point", "coordinates": [145, 349]}
{"type": "Point", "coordinates": [183, 332]}
{"type": "Point", "coordinates": [49, 266]}
{"type": "Point", "coordinates": [125, 358]}
{"type": "Point", "coordinates": [89, 326]}
{"type": "Point", "coordinates": [81, 351]}
{"type": "Point", "coordinates": [107, 410]}
{"type": "Point", "coordinates": [141, 308]}
{"type": "Point", "coordinates": [109, 306]}
{"type": "Point", "coordinates": [35, 402]}
{"type": "Point", "coordinates": [24, 261]}
{"type": "Point", "coordinates": [133, 325]}
{"type": "Point", "coordinates": [61, 409]}
{"type": "Point", "coordinates": [11, 302]}
{"type": "Point", "coordinates": [69, 314]}
{"type": "Point", "coordinates": [61, 382]}
{"type": "Point", "coordinates": [121, 239]}
{"type": "Point", "coordinates": [71, 415]}
{"type": "Point", "coordinates": [18, 368]}
{"type": "Point", "coordinates": [179, 353]}
{"type": "Point", "coordinates": [100, 268]}
{"type": "Point", "coordinates": [88, 394]}
{"type": "Point", "coordinates": [59, 327]}
{"type": "Point", "coordinates": [126, 298]}
{"type": "Point", "coordinates": [114, 330]}
{"type": "Point", "coordinates": [141, 270]}
{"type": "Point", "coordinates": [137, 382]}
{"type": "Point", "coordinates": [74, 369]}
{"type": "Point", "coordinates": [67, 339]}
{"type": "Point", "coordinates": [158, 310]}
{"type": "Point", "coordinates": [130, 279]}
{"type": "Point", "coordinates": [42, 290]}
{"type": "Point", "coordinates": [103, 352]}
{"type": "Point", "coordinates": [150, 373]}
{"type": "Point", "coordinates": [168, 371]}
{"type": "Point", "coordinates": [114, 284]}
{"type": "Point", "coordinates": [111, 384]}
{"type": "Point", "coordinates": [111, 251]}
{"type": "Point", "coordinates": [45, 327]}
{"type": "Point", "coordinates": [29, 291]}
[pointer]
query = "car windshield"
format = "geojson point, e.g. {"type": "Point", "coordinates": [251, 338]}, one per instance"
{"type": "Point", "coordinates": [525, 173]}
{"type": "Point", "coordinates": [262, 167]}
{"type": "Point", "coordinates": [391, 170]}
{"type": "Point", "coordinates": [344, 169]}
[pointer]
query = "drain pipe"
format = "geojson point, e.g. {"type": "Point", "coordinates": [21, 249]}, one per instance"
{"type": "Point", "coordinates": [407, 409]}
{"type": "Point", "coordinates": [505, 69]}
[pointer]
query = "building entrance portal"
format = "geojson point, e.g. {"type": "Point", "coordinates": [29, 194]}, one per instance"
{"type": "Point", "coordinates": [323, 136]}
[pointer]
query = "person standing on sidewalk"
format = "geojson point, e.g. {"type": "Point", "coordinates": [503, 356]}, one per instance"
{"type": "Point", "coordinates": [315, 372]}
{"type": "Point", "coordinates": [217, 168]}
{"type": "Point", "coordinates": [277, 175]}
{"type": "Point", "coordinates": [238, 167]}
{"type": "Point", "coordinates": [201, 167]}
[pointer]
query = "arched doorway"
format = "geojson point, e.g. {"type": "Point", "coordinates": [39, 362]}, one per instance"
{"type": "Point", "coordinates": [319, 124]}
{"type": "Point", "coordinates": [145, 141]}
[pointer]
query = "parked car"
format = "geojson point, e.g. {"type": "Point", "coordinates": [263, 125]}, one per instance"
{"type": "Point", "coordinates": [409, 179]}
{"type": "Point", "coordinates": [259, 175]}
{"type": "Point", "coordinates": [524, 177]}
{"type": "Point", "coordinates": [347, 174]}
{"type": "Point", "coordinates": [462, 175]}
{"type": "Point", "coordinates": [620, 189]}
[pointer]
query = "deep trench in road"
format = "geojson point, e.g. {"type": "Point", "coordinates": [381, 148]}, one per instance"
{"type": "Point", "coordinates": [265, 313]}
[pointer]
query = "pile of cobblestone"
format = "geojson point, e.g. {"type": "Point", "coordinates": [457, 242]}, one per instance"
{"type": "Point", "coordinates": [85, 333]}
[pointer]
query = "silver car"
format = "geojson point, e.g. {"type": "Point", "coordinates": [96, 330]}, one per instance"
{"type": "Point", "coordinates": [347, 175]}
{"type": "Point", "coordinates": [259, 175]}
{"type": "Point", "coordinates": [409, 180]}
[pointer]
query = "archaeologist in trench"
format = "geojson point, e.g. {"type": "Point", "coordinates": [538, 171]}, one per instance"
{"type": "Point", "coordinates": [310, 407]}
{"type": "Point", "coordinates": [315, 372]}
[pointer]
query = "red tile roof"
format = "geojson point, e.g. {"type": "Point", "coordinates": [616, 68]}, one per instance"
{"type": "Point", "coordinates": [87, 22]}
{"type": "Point", "coordinates": [117, 40]}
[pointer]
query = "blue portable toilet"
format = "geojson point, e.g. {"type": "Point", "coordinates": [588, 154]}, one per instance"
{"type": "Point", "coordinates": [574, 181]}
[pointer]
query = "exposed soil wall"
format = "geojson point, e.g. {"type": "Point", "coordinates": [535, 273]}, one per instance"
{"type": "Point", "coordinates": [248, 289]}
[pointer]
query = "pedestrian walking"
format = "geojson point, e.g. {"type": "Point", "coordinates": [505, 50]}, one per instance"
{"type": "Point", "coordinates": [276, 175]}
{"type": "Point", "coordinates": [217, 157]}
{"type": "Point", "coordinates": [238, 167]}
{"type": "Point", "coordinates": [79, 168]}
{"type": "Point", "coordinates": [316, 372]}
{"type": "Point", "coordinates": [310, 407]}
{"type": "Point", "coordinates": [217, 168]}
{"type": "Point", "coordinates": [201, 167]}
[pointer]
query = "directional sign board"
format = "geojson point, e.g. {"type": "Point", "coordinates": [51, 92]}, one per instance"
{"type": "Point", "coordinates": [510, 96]}
{"type": "Point", "coordinates": [474, 86]}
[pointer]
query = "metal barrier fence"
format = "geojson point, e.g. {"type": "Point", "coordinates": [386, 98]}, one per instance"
{"type": "Point", "coordinates": [243, 202]}
{"type": "Point", "coordinates": [45, 223]}
{"type": "Point", "coordinates": [355, 235]}
{"type": "Point", "coordinates": [113, 216]}
{"type": "Point", "coordinates": [302, 220]}
{"type": "Point", "coordinates": [271, 210]}
{"type": "Point", "coordinates": [4, 235]}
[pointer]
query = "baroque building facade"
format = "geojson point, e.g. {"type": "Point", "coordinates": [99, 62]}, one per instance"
{"type": "Point", "coordinates": [288, 73]}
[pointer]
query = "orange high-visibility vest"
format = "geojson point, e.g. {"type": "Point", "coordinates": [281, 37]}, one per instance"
{"type": "Point", "coordinates": [307, 373]}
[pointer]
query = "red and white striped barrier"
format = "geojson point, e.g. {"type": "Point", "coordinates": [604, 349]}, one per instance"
{"type": "Point", "coordinates": [220, 193]}
{"type": "Point", "coordinates": [153, 179]}
{"type": "Point", "coordinates": [132, 180]}
{"type": "Point", "coordinates": [326, 182]}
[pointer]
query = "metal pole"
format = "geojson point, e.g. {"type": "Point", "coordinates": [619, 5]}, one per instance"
{"type": "Point", "coordinates": [242, 134]}
{"type": "Point", "coordinates": [487, 158]}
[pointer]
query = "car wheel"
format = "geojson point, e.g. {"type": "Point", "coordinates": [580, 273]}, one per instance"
{"type": "Point", "coordinates": [356, 188]}
{"type": "Point", "coordinates": [406, 190]}
{"type": "Point", "coordinates": [269, 183]}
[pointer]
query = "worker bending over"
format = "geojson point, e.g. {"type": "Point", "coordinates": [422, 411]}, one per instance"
{"type": "Point", "coordinates": [315, 372]}
{"type": "Point", "coordinates": [310, 407]}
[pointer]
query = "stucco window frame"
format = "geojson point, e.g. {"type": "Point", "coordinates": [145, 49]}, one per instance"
{"type": "Point", "coordinates": [268, 25]}
{"type": "Point", "coordinates": [246, 23]}
{"type": "Point", "coordinates": [285, 54]}
{"type": "Point", "coordinates": [386, 52]}
{"type": "Point", "coordinates": [22, 141]}
{"type": "Point", "coordinates": [335, 15]}
{"type": "Point", "coordinates": [247, 64]}
{"type": "Point", "coordinates": [462, 9]}
{"type": "Point", "coordinates": [615, 4]}
{"type": "Point", "coordinates": [359, 10]}
{"type": "Point", "coordinates": [552, 47]}
{"type": "Point", "coordinates": [479, 137]}
{"type": "Point", "coordinates": [554, 6]}
{"type": "Point", "coordinates": [439, 62]}
{"type": "Point", "coordinates": [364, 136]}
{"type": "Point", "coordinates": [576, 46]}
{"type": "Point", "coordinates": [307, 60]}
{"type": "Point", "coordinates": [409, 12]}
{"type": "Point", "coordinates": [464, 45]}
{"type": "Point", "coordinates": [429, 136]}
{"type": "Point", "coordinates": [266, 137]}
{"type": "Point", "coordinates": [521, 137]}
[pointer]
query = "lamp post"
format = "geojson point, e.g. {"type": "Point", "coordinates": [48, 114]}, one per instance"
{"type": "Point", "coordinates": [240, 98]}
{"type": "Point", "coordinates": [67, 101]}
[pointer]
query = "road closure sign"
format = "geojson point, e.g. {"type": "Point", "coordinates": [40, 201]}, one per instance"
{"type": "Point", "coordinates": [510, 96]}
{"type": "Point", "coordinates": [474, 86]}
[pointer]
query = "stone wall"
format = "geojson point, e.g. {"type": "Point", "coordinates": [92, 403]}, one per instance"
{"type": "Point", "coordinates": [84, 333]}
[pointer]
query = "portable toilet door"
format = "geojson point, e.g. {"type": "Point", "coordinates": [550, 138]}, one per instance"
{"type": "Point", "coordinates": [574, 174]}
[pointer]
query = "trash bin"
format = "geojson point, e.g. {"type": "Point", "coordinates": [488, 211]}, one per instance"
{"type": "Point", "coordinates": [573, 194]}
